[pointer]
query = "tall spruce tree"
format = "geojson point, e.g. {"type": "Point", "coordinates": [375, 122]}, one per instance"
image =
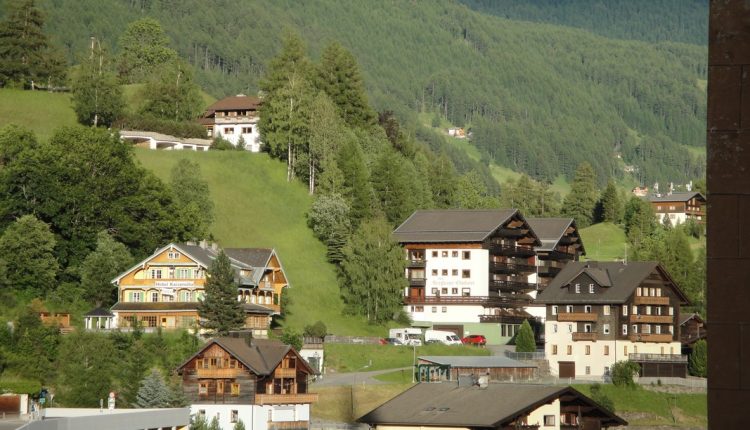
{"type": "Point", "coordinates": [339, 76]}
{"type": "Point", "coordinates": [132, 373]}
{"type": "Point", "coordinates": [610, 204]}
{"type": "Point", "coordinates": [373, 272]}
{"type": "Point", "coordinates": [357, 189]}
{"type": "Point", "coordinates": [97, 96]}
{"type": "Point", "coordinates": [325, 138]}
{"type": "Point", "coordinates": [580, 202]}
{"type": "Point", "coordinates": [220, 309]}
{"type": "Point", "coordinates": [525, 338]}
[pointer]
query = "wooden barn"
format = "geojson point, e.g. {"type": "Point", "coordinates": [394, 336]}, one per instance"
{"type": "Point", "coordinates": [442, 368]}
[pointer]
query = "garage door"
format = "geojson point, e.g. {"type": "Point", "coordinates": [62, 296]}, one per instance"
{"type": "Point", "coordinates": [567, 369]}
{"type": "Point", "coordinates": [10, 404]}
{"type": "Point", "coordinates": [458, 329]}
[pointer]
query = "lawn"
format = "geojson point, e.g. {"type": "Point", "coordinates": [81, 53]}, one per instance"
{"type": "Point", "coordinates": [40, 111]}
{"type": "Point", "coordinates": [645, 407]}
{"type": "Point", "coordinates": [353, 357]}
{"type": "Point", "coordinates": [347, 403]}
{"type": "Point", "coordinates": [257, 207]}
{"type": "Point", "coordinates": [604, 242]}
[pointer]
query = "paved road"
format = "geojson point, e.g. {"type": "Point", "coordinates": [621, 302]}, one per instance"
{"type": "Point", "coordinates": [11, 424]}
{"type": "Point", "coordinates": [352, 378]}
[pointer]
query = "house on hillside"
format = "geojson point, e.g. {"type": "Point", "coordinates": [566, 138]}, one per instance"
{"type": "Point", "coordinates": [599, 313]}
{"type": "Point", "coordinates": [164, 289]}
{"type": "Point", "coordinates": [234, 118]}
{"type": "Point", "coordinates": [262, 382]}
{"type": "Point", "coordinates": [679, 207]}
{"type": "Point", "coordinates": [466, 266]}
{"type": "Point", "coordinates": [471, 405]}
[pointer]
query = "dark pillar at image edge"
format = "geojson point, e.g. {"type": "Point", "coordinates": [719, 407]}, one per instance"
{"type": "Point", "coordinates": [728, 177]}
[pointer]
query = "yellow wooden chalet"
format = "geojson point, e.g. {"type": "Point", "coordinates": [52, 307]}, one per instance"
{"type": "Point", "coordinates": [164, 290]}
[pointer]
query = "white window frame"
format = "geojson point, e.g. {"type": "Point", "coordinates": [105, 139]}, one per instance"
{"type": "Point", "coordinates": [624, 329]}
{"type": "Point", "coordinates": [591, 288]}
{"type": "Point", "coordinates": [606, 309]}
{"type": "Point", "coordinates": [578, 288]}
{"type": "Point", "coordinates": [624, 310]}
{"type": "Point", "coordinates": [554, 309]}
{"type": "Point", "coordinates": [605, 328]}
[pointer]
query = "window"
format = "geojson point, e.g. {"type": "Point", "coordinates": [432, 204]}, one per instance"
{"type": "Point", "coordinates": [434, 254]}
{"type": "Point", "coordinates": [454, 272]}
{"type": "Point", "coordinates": [587, 309]}
{"type": "Point", "coordinates": [570, 349]}
{"type": "Point", "coordinates": [578, 288]}
{"type": "Point", "coordinates": [671, 329]}
{"type": "Point", "coordinates": [234, 416]}
{"type": "Point", "coordinates": [587, 328]}
{"type": "Point", "coordinates": [554, 349]}
{"type": "Point", "coordinates": [635, 329]}
{"type": "Point", "coordinates": [591, 288]}
{"type": "Point", "coordinates": [454, 290]}
{"type": "Point", "coordinates": [588, 370]}
{"type": "Point", "coordinates": [203, 388]}
{"type": "Point", "coordinates": [549, 420]}
{"type": "Point", "coordinates": [605, 328]}
{"type": "Point", "coordinates": [570, 328]}
{"type": "Point", "coordinates": [605, 309]}
{"type": "Point", "coordinates": [435, 292]}
{"type": "Point", "coordinates": [235, 389]}
{"type": "Point", "coordinates": [657, 310]}
{"type": "Point", "coordinates": [466, 292]}
{"type": "Point", "coordinates": [624, 310]}
{"type": "Point", "coordinates": [554, 309]}
{"type": "Point", "coordinates": [445, 254]}
{"type": "Point", "coordinates": [646, 328]}
{"type": "Point", "coordinates": [588, 349]}
{"type": "Point", "coordinates": [671, 310]}
{"type": "Point", "coordinates": [418, 308]}
{"type": "Point", "coordinates": [625, 350]}
{"type": "Point", "coordinates": [635, 349]}
{"type": "Point", "coordinates": [466, 255]}
{"type": "Point", "coordinates": [443, 291]}
{"type": "Point", "coordinates": [445, 309]}
{"type": "Point", "coordinates": [155, 273]}
{"type": "Point", "coordinates": [202, 412]}
{"type": "Point", "coordinates": [638, 291]}
{"type": "Point", "coordinates": [444, 272]}
{"type": "Point", "coordinates": [454, 254]}
{"type": "Point", "coordinates": [658, 292]}
{"type": "Point", "coordinates": [247, 130]}
{"type": "Point", "coordinates": [624, 329]}
{"type": "Point", "coordinates": [229, 130]}
{"type": "Point", "coordinates": [466, 274]}
{"type": "Point", "coordinates": [657, 329]}
{"type": "Point", "coordinates": [653, 292]}
{"type": "Point", "coordinates": [648, 310]}
{"type": "Point", "coordinates": [606, 349]}
{"type": "Point", "coordinates": [569, 308]}
{"type": "Point", "coordinates": [173, 255]}
{"type": "Point", "coordinates": [554, 328]}
{"type": "Point", "coordinates": [219, 387]}
{"type": "Point", "coordinates": [136, 296]}
{"type": "Point", "coordinates": [154, 297]}
{"type": "Point", "coordinates": [434, 272]}
{"type": "Point", "coordinates": [635, 310]}
{"type": "Point", "coordinates": [434, 309]}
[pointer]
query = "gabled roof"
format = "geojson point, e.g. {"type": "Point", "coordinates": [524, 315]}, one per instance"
{"type": "Point", "coordinates": [688, 317]}
{"type": "Point", "coordinates": [551, 230]}
{"type": "Point", "coordinates": [489, 361]}
{"type": "Point", "coordinates": [99, 312]}
{"type": "Point", "coordinates": [261, 356]}
{"type": "Point", "coordinates": [453, 225]}
{"type": "Point", "coordinates": [620, 279]}
{"type": "Point", "coordinates": [238, 102]}
{"type": "Point", "coordinates": [448, 405]}
{"type": "Point", "coordinates": [676, 197]}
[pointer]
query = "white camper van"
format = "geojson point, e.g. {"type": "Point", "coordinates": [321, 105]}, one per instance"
{"type": "Point", "coordinates": [408, 336]}
{"type": "Point", "coordinates": [444, 337]}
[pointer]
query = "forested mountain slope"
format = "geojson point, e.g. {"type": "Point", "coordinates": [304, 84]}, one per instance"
{"type": "Point", "coordinates": [683, 21]}
{"type": "Point", "coordinates": [539, 98]}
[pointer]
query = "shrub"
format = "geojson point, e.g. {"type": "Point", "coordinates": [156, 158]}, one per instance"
{"type": "Point", "coordinates": [292, 338]}
{"type": "Point", "coordinates": [318, 329]}
{"type": "Point", "coordinates": [525, 338]}
{"type": "Point", "coordinates": [598, 396]}
{"type": "Point", "coordinates": [699, 359]}
{"type": "Point", "coordinates": [623, 373]}
{"type": "Point", "coordinates": [221, 144]}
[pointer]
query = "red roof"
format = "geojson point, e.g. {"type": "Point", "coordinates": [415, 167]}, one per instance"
{"type": "Point", "coordinates": [238, 102]}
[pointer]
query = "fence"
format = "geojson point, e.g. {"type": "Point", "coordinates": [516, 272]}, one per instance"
{"type": "Point", "coordinates": [352, 339]}
{"type": "Point", "coordinates": [538, 355]}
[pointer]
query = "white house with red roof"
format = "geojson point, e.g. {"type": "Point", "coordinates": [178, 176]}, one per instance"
{"type": "Point", "coordinates": [234, 118]}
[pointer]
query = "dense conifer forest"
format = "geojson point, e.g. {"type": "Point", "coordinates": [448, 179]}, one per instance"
{"type": "Point", "coordinates": [539, 98]}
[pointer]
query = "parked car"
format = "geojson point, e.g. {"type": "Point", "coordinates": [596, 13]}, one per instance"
{"type": "Point", "coordinates": [475, 339]}
{"type": "Point", "coordinates": [391, 341]}
{"type": "Point", "coordinates": [444, 337]}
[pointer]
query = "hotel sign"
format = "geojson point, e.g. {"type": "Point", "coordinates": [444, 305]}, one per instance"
{"type": "Point", "coordinates": [174, 284]}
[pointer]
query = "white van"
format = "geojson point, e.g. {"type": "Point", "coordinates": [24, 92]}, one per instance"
{"type": "Point", "coordinates": [444, 337]}
{"type": "Point", "coordinates": [408, 336]}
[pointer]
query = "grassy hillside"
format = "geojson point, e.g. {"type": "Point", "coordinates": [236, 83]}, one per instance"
{"type": "Point", "coordinates": [40, 111]}
{"type": "Point", "coordinates": [256, 207]}
{"type": "Point", "coordinates": [604, 241]}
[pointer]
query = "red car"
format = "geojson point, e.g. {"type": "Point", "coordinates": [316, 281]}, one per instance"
{"type": "Point", "coordinates": [475, 339]}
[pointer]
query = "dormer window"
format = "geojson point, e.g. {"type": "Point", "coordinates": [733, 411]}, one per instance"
{"type": "Point", "coordinates": [591, 288]}
{"type": "Point", "coordinates": [578, 288]}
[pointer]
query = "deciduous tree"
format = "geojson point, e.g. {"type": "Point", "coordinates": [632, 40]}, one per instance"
{"type": "Point", "coordinates": [171, 93]}
{"type": "Point", "coordinates": [27, 247]}
{"type": "Point", "coordinates": [101, 266]}
{"type": "Point", "coordinates": [193, 198]}
{"type": "Point", "coordinates": [86, 365]}
{"type": "Point", "coordinates": [144, 47]}
{"type": "Point", "coordinates": [97, 96]}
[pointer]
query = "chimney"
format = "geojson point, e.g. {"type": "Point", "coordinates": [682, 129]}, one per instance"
{"type": "Point", "coordinates": [214, 246]}
{"type": "Point", "coordinates": [203, 244]}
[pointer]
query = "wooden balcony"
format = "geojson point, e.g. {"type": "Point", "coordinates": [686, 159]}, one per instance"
{"type": "Point", "coordinates": [510, 267]}
{"type": "Point", "coordinates": [580, 335]}
{"type": "Point", "coordinates": [490, 301]}
{"type": "Point", "coordinates": [577, 316]}
{"type": "Point", "coordinates": [284, 373]}
{"type": "Point", "coordinates": [498, 284]}
{"type": "Point", "coordinates": [650, 337]}
{"type": "Point", "coordinates": [512, 250]}
{"type": "Point", "coordinates": [417, 282]}
{"type": "Point", "coordinates": [416, 264]}
{"type": "Point", "coordinates": [666, 358]}
{"type": "Point", "coordinates": [652, 319]}
{"type": "Point", "coordinates": [285, 399]}
{"type": "Point", "coordinates": [651, 300]}
{"type": "Point", "coordinates": [217, 373]}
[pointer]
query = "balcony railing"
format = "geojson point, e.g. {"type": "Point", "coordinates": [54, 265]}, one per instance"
{"type": "Point", "coordinates": [284, 373]}
{"type": "Point", "coordinates": [651, 300]}
{"type": "Point", "coordinates": [416, 263]}
{"type": "Point", "coordinates": [582, 335]}
{"type": "Point", "coordinates": [511, 267]}
{"type": "Point", "coordinates": [417, 282]}
{"type": "Point", "coordinates": [548, 270]}
{"type": "Point", "coordinates": [576, 316]}
{"type": "Point", "coordinates": [217, 373]}
{"type": "Point", "coordinates": [652, 319]}
{"type": "Point", "coordinates": [497, 284]}
{"type": "Point", "coordinates": [670, 358]}
{"type": "Point", "coordinates": [520, 250]}
{"type": "Point", "coordinates": [285, 399]}
{"type": "Point", "coordinates": [489, 301]}
{"type": "Point", "coordinates": [643, 337]}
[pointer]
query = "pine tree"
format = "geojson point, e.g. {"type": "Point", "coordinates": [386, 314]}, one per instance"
{"type": "Point", "coordinates": [357, 188]}
{"type": "Point", "coordinates": [154, 392]}
{"type": "Point", "coordinates": [391, 184]}
{"type": "Point", "coordinates": [471, 192]}
{"type": "Point", "coordinates": [525, 338]}
{"type": "Point", "coordinates": [580, 202]}
{"type": "Point", "coordinates": [611, 207]}
{"type": "Point", "coordinates": [699, 359]}
{"type": "Point", "coordinates": [340, 78]}
{"type": "Point", "coordinates": [220, 309]}
{"type": "Point", "coordinates": [97, 96]}
{"type": "Point", "coordinates": [239, 425]}
{"type": "Point", "coordinates": [133, 371]}
{"type": "Point", "coordinates": [214, 424]}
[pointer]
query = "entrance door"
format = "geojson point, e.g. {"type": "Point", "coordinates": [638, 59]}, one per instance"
{"type": "Point", "coordinates": [457, 329]}
{"type": "Point", "coordinates": [567, 369]}
{"type": "Point", "coordinates": [167, 322]}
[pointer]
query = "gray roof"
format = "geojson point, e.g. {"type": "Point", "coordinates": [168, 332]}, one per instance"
{"type": "Point", "coordinates": [676, 197]}
{"type": "Point", "coordinates": [99, 312]}
{"type": "Point", "coordinates": [448, 405]}
{"type": "Point", "coordinates": [551, 230]}
{"type": "Point", "coordinates": [619, 279]}
{"type": "Point", "coordinates": [452, 225]}
{"type": "Point", "coordinates": [475, 361]}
